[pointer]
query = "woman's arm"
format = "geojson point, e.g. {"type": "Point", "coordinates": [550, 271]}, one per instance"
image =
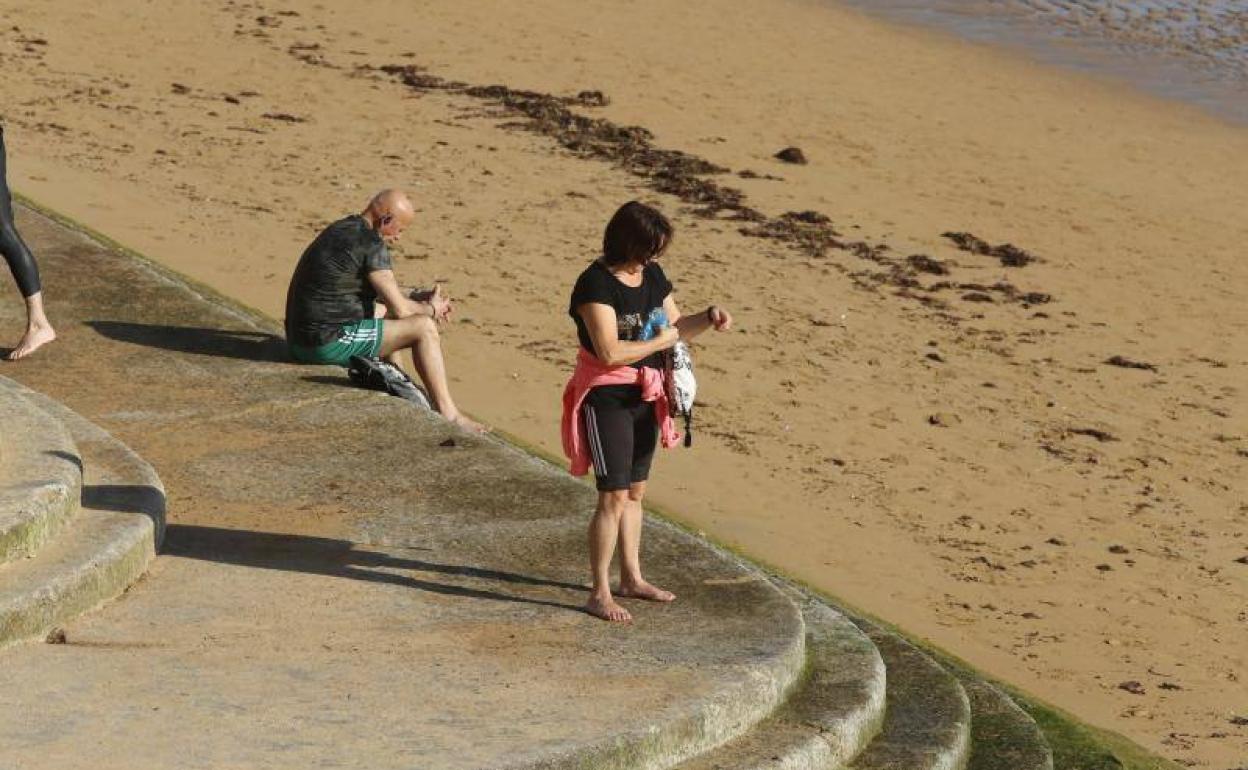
{"type": "Point", "coordinates": [691, 326]}
{"type": "Point", "coordinates": [600, 320]}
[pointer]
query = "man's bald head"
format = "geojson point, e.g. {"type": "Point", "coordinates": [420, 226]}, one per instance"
{"type": "Point", "coordinates": [389, 213]}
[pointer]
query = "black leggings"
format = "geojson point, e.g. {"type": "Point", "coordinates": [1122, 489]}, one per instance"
{"type": "Point", "coordinates": [21, 261]}
{"type": "Point", "coordinates": [622, 439]}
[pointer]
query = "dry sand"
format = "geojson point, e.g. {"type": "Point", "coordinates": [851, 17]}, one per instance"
{"type": "Point", "coordinates": [972, 470]}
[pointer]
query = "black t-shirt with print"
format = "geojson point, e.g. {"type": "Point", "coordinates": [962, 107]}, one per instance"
{"type": "Point", "coordinates": [330, 286]}
{"type": "Point", "coordinates": [638, 311]}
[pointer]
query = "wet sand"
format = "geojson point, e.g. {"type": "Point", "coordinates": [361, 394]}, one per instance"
{"type": "Point", "coordinates": [1190, 50]}
{"type": "Point", "coordinates": [1040, 464]}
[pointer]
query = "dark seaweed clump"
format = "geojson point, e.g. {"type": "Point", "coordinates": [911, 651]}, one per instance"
{"type": "Point", "coordinates": [1009, 254]}
{"type": "Point", "coordinates": [630, 147]}
{"type": "Point", "coordinates": [1127, 363]}
{"type": "Point", "coordinates": [925, 264]}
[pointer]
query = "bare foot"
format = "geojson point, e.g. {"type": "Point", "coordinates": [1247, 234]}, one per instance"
{"type": "Point", "coordinates": [644, 590]}
{"type": "Point", "coordinates": [35, 338]}
{"type": "Point", "coordinates": [605, 607]}
{"type": "Point", "coordinates": [468, 424]}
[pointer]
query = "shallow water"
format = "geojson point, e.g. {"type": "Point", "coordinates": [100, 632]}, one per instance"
{"type": "Point", "coordinates": [1194, 50]}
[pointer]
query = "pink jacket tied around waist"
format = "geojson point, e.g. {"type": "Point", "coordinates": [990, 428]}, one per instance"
{"type": "Point", "coordinates": [591, 373]}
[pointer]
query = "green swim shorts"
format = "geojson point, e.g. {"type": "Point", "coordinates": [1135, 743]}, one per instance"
{"type": "Point", "coordinates": [362, 338]}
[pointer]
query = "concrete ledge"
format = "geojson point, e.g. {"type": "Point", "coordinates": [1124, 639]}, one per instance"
{"type": "Point", "coordinates": [928, 720]}
{"type": "Point", "coordinates": [832, 714]}
{"type": "Point", "coordinates": [113, 537]}
{"type": "Point", "coordinates": [40, 475]}
{"type": "Point", "coordinates": [736, 705]}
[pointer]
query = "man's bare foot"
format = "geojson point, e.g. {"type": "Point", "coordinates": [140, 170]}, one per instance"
{"type": "Point", "coordinates": [605, 607]}
{"type": "Point", "coordinates": [465, 422]}
{"type": "Point", "coordinates": [35, 338]}
{"type": "Point", "coordinates": [644, 590]}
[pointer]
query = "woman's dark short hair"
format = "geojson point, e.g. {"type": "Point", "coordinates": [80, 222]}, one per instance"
{"type": "Point", "coordinates": [637, 232]}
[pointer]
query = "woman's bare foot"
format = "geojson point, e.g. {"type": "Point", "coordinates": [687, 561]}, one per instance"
{"type": "Point", "coordinates": [605, 607]}
{"type": "Point", "coordinates": [643, 590]}
{"type": "Point", "coordinates": [35, 338]}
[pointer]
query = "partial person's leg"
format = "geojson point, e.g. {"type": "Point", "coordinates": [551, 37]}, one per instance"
{"type": "Point", "coordinates": [645, 438]}
{"type": "Point", "coordinates": [381, 311]}
{"type": "Point", "coordinates": [420, 335]}
{"type": "Point", "coordinates": [610, 436]}
{"type": "Point", "coordinates": [21, 263]}
{"type": "Point", "coordinates": [604, 529]}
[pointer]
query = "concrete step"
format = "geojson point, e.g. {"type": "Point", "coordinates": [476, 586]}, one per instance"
{"type": "Point", "coordinates": [115, 533]}
{"type": "Point", "coordinates": [40, 474]}
{"type": "Point", "coordinates": [927, 723]}
{"type": "Point", "coordinates": [1003, 736]}
{"type": "Point", "coordinates": [832, 714]}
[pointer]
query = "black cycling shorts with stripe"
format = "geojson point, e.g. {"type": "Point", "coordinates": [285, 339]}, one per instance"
{"type": "Point", "coordinates": [622, 437]}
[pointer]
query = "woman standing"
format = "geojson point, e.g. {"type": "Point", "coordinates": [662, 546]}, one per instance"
{"type": "Point", "coordinates": [615, 406]}
{"type": "Point", "coordinates": [39, 330]}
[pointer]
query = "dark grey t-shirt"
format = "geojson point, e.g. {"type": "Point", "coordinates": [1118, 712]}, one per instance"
{"type": "Point", "coordinates": [330, 286]}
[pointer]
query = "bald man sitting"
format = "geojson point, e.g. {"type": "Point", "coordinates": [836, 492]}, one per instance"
{"type": "Point", "coordinates": [331, 304]}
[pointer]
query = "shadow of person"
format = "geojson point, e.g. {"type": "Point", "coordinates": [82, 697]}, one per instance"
{"type": "Point", "coordinates": [342, 558]}
{"type": "Point", "coordinates": [223, 343]}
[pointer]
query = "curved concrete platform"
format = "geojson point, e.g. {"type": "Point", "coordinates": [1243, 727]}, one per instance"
{"type": "Point", "coordinates": [928, 721]}
{"type": "Point", "coordinates": [40, 475]}
{"type": "Point", "coordinates": [459, 645]}
{"type": "Point", "coordinates": [113, 536]}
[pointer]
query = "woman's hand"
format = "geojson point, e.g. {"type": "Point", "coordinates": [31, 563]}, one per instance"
{"type": "Point", "coordinates": [714, 317]}
{"type": "Point", "coordinates": [668, 336]}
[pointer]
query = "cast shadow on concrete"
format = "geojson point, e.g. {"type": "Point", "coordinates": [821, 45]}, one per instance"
{"type": "Point", "coordinates": [68, 457]}
{"type": "Point", "coordinates": [342, 558]}
{"type": "Point", "coordinates": [223, 343]}
{"type": "Point", "coordinates": [341, 380]}
{"type": "Point", "coordinates": [128, 498]}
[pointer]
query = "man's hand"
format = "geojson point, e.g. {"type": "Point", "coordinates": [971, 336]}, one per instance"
{"type": "Point", "coordinates": [440, 305]}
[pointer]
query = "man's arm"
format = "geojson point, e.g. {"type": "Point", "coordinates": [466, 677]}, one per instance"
{"type": "Point", "coordinates": [392, 296]}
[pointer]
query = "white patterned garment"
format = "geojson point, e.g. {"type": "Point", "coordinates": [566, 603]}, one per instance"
{"type": "Point", "coordinates": [681, 385]}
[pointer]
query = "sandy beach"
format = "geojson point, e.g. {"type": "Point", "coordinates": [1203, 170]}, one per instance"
{"type": "Point", "coordinates": [1035, 457]}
